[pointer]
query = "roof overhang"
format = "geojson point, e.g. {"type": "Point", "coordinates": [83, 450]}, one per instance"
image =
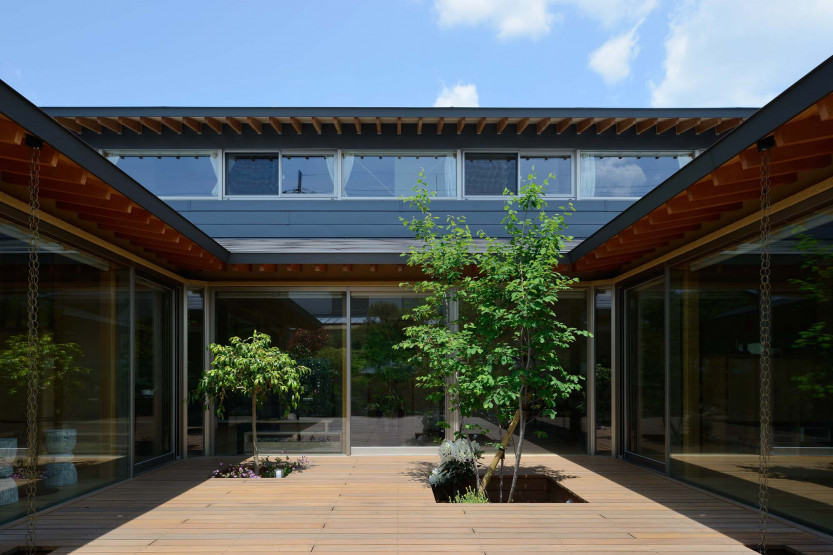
{"type": "Point", "coordinates": [722, 185]}
{"type": "Point", "coordinates": [81, 188]}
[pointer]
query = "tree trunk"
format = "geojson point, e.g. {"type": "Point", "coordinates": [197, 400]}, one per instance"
{"type": "Point", "coordinates": [499, 455]}
{"type": "Point", "coordinates": [522, 423]}
{"type": "Point", "coordinates": [254, 433]}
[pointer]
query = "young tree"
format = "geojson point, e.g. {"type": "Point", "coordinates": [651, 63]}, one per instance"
{"type": "Point", "coordinates": [256, 369]}
{"type": "Point", "coordinates": [501, 353]}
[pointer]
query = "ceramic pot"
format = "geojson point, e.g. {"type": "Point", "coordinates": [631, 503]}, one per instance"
{"type": "Point", "coordinates": [59, 445]}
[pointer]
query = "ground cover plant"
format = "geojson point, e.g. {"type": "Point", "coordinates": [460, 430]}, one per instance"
{"type": "Point", "coordinates": [266, 469]}
{"type": "Point", "coordinates": [488, 333]}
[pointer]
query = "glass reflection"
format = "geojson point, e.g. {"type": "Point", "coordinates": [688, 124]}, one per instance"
{"type": "Point", "coordinates": [396, 174]}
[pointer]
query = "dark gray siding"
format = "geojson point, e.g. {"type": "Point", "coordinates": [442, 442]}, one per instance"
{"type": "Point", "coordinates": [363, 218]}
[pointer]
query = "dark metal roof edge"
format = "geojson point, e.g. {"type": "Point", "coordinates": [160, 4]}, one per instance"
{"type": "Point", "coordinates": [315, 258]}
{"type": "Point", "coordinates": [794, 100]}
{"type": "Point", "coordinates": [350, 112]}
{"type": "Point", "coordinates": [37, 122]}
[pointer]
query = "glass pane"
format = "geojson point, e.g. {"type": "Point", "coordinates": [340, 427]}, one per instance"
{"type": "Point", "coordinates": [646, 371]}
{"type": "Point", "coordinates": [252, 174]}
{"type": "Point", "coordinates": [602, 335]}
{"type": "Point", "coordinates": [83, 401]}
{"type": "Point", "coordinates": [626, 176]}
{"type": "Point", "coordinates": [395, 175]}
{"type": "Point", "coordinates": [715, 385]}
{"type": "Point", "coordinates": [173, 174]}
{"type": "Point", "coordinates": [491, 173]}
{"type": "Point", "coordinates": [308, 175]}
{"type": "Point", "coordinates": [196, 365]}
{"type": "Point", "coordinates": [388, 409]}
{"type": "Point", "coordinates": [153, 401]}
{"type": "Point", "coordinates": [556, 170]}
{"type": "Point", "coordinates": [311, 327]}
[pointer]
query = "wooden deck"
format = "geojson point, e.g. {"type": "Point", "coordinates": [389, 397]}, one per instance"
{"type": "Point", "coordinates": [382, 504]}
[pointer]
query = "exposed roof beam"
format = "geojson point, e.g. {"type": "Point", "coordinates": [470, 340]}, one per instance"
{"type": "Point", "coordinates": [398, 125]}
{"type": "Point", "coordinates": [235, 124]}
{"type": "Point", "coordinates": [825, 107]}
{"type": "Point", "coordinates": [70, 124]}
{"type": "Point", "coordinates": [727, 124]}
{"type": "Point", "coordinates": [624, 125]}
{"type": "Point", "coordinates": [645, 125]}
{"type": "Point", "coordinates": [687, 124]}
{"type": "Point", "coordinates": [543, 124]}
{"type": "Point", "coordinates": [296, 125]}
{"type": "Point", "coordinates": [604, 125]}
{"type": "Point", "coordinates": [419, 126]}
{"type": "Point", "coordinates": [501, 125]}
{"type": "Point", "coordinates": [357, 122]}
{"type": "Point", "coordinates": [440, 123]}
{"type": "Point", "coordinates": [563, 125]}
{"type": "Point", "coordinates": [276, 125]}
{"type": "Point", "coordinates": [705, 125]}
{"type": "Point", "coordinates": [583, 125]}
{"type": "Point", "coordinates": [173, 124]}
{"type": "Point", "coordinates": [152, 124]}
{"type": "Point", "coordinates": [803, 131]}
{"type": "Point", "coordinates": [666, 124]}
{"type": "Point", "coordinates": [193, 125]}
{"type": "Point", "coordinates": [255, 124]}
{"type": "Point", "coordinates": [132, 124]}
{"type": "Point", "coordinates": [214, 124]}
{"type": "Point", "coordinates": [90, 124]}
{"type": "Point", "coordinates": [316, 124]}
{"type": "Point", "coordinates": [111, 124]}
{"type": "Point", "coordinates": [337, 123]}
{"type": "Point", "coordinates": [522, 125]}
{"type": "Point", "coordinates": [480, 125]}
{"type": "Point", "coordinates": [378, 126]}
{"type": "Point", "coordinates": [461, 123]}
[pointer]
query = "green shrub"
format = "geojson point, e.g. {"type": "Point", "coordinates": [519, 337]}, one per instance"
{"type": "Point", "coordinates": [471, 496]}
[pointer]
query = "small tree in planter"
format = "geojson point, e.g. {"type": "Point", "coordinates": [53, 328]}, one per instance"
{"type": "Point", "coordinates": [502, 352]}
{"type": "Point", "coordinates": [256, 369]}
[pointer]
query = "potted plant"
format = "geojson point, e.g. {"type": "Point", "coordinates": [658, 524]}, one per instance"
{"type": "Point", "coordinates": [60, 374]}
{"type": "Point", "coordinates": [256, 369]}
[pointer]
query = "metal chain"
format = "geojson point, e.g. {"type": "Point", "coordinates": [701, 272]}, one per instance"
{"type": "Point", "coordinates": [33, 382]}
{"type": "Point", "coordinates": [765, 359]}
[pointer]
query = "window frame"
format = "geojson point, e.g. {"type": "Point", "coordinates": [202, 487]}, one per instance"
{"type": "Point", "coordinates": [336, 154]}
{"type": "Point", "coordinates": [626, 154]}
{"type": "Point", "coordinates": [262, 151]}
{"type": "Point", "coordinates": [531, 152]}
{"type": "Point", "coordinates": [403, 152]}
{"type": "Point", "coordinates": [175, 152]}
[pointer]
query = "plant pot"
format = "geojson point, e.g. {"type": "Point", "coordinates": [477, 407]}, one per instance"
{"type": "Point", "coordinates": [59, 445]}
{"type": "Point", "coordinates": [8, 487]}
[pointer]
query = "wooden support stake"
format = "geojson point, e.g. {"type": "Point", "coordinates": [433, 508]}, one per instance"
{"type": "Point", "coordinates": [501, 452]}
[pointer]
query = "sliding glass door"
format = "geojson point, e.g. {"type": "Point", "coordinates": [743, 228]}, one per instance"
{"type": "Point", "coordinates": [154, 370]}
{"type": "Point", "coordinates": [645, 373]}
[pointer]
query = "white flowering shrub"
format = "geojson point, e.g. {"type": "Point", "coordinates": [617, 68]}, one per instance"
{"type": "Point", "coordinates": [458, 462]}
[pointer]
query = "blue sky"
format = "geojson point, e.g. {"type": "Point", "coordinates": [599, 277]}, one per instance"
{"type": "Point", "coordinates": [631, 53]}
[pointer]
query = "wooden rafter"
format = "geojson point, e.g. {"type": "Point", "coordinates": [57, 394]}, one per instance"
{"type": "Point", "coordinates": [481, 123]}
{"type": "Point", "coordinates": [357, 122]}
{"type": "Point", "coordinates": [735, 173]}
{"type": "Point", "coordinates": [255, 124]}
{"type": "Point", "coordinates": [419, 126]}
{"type": "Point", "coordinates": [378, 126]}
{"type": "Point", "coordinates": [604, 125]}
{"type": "Point", "coordinates": [645, 125]}
{"type": "Point", "coordinates": [90, 123]}
{"type": "Point", "coordinates": [727, 124]}
{"type": "Point", "coordinates": [687, 124]}
{"type": "Point", "coordinates": [173, 124]}
{"type": "Point", "coordinates": [666, 124]}
{"type": "Point", "coordinates": [69, 123]}
{"type": "Point", "coordinates": [440, 123]}
{"type": "Point", "coordinates": [316, 124]}
{"type": "Point", "coordinates": [214, 124]}
{"type": "Point", "coordinates": [276, 125]}
{"type": "Point", "coordinates": [804, 131]}
{"type": "Point", "coordinates": [563, 125]}
{"type": "Point", "coordinates": [825, 108]}
{"type": "Point", "coordinates": [337, 124]}
{"type": "Point", "coordinates": [398, 125]}
{"type": "Point", "coordinates": [193, 124]}
{"type": "Point", "coordinates": [543, 123]}
{"type": "Point", "coordinates": [521, 125]}
{"type": "Point", "coordinates": [501, 125]}
{"type": "Point", "coordinates": [751, 158]}
{"type": "Point", "coordinates": [296, 125]}
{"type": "Point", "coordinates": [111, 124]}
{"type": "Point", "coordinates": [583, 125]}
{"type": "Point", "coordinates": [624, 125]}
{"type": "Point", "coordinates": [461, 123]}
{"type": "Point", "coordinates": [235, 124]}
{"type": "Point", "coordinates": [705, 125]}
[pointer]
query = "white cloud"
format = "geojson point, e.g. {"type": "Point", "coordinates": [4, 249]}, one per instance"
{"type": "Point", "coordinates": [510, 18]}
{"type": "Point", "coordinates": [741, 53]}
{"type": "Point", "coordinates": [459, 95]}
{"type": "Point", "coordinates": [610, 13]}
{"type": "Point", "coordinates": [612, 60]}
